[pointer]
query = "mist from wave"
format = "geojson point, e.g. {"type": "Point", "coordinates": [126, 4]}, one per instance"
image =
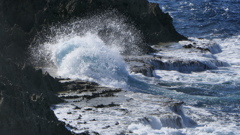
{"type": "Point", "coordinates": [90, 48]}
{"type": "Point", "coordinates": [88, 58]}
{"type": "Point", "coordinates": [79, 51]}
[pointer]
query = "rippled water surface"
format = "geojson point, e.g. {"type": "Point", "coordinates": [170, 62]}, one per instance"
{"type": "Point", "coordinates": [204, 18]}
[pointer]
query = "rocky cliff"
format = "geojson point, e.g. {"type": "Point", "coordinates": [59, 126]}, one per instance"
{"type": "Point", "coordinates": [25, 93]}
{"type": "Point", "coordinates": [25, 98]}
{"type": "Point", "coordinates": [20, 20]}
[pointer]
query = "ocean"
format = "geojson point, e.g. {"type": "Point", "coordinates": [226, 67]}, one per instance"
{"type": "Point", "coordinates": [207, 81]}
{"type": "Point", "coordinates": [208, 22]}
{"type": "Point", "coordinates": [211, 22]}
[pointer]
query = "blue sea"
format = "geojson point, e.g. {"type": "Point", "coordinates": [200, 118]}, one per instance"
{"type": "Point", "coordinates": [215, 22]}
{"type": "Point", "coordinates": [207, 81]}
{"type": "Point", "coordinates": [204, 19]}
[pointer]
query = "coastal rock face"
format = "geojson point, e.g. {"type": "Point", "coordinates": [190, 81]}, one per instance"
{"type": "Point", "coordinates": [90, 108]}
{"type": "Point", "coordinates": [21, 20]}
{"type": "Point", "coordinates": [25, 98]}
{"type": "Point", "coordinates": [25, 93]}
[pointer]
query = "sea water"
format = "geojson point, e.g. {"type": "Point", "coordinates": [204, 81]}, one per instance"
{"type": "Point", "coordinates": [212, 96]}
{"type": "Point", "coordinates": [208, 22]}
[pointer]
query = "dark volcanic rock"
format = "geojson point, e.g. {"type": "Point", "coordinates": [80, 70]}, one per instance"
{"type": "Point", "coordinates": [25, 93]}
{"type": "Point", "coordinates": [21, 20]}
{"type": "Point", "coordinates": [25, 98]}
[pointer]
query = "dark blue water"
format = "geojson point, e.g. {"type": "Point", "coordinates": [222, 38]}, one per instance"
{"type": "Point", "coordinates": [204, 18]}
{"type": "Point", "coordinates": [217, 20]}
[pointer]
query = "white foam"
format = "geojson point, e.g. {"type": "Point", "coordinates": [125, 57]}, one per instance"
{"type": "Point", "coordinates": [140, 114]}
{"type": "Point", "coordinates": [227, 62]}
{"type": "Point", "coordinates": [208, 124]}
{"type": "Point", "coordinates": [87, 57]}
{"type": "Point", "coordinates": [211, 129]}
{"type": "Point", "coordinates": [90, 49]}
{"type": "Point", "coordinates": [135, 109]}
{"type": "Point", "coordinates": [230, 47]}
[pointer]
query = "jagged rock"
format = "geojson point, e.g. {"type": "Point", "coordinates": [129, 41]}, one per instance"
{"type": "Point", "coordinates": [203, 45]}
{"type": "Point", "coordinates": [181, 66]}
{"type": "Point", "coordinates": [25, 98]}
{"type": "Point", "coordinates": [146, 70]}
{"type": "Point", "coordinates": [25, 93]}
{"type": "Point", "coordinates": [141, 65]}
{"type": "Point", "coordinates": [116, 113]}
{"type": "Point", "coordinates": [21, 20]}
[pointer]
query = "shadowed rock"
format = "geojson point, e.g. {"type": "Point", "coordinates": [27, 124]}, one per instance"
{"type": "Point", "coordinates": [21, 20]}
{"type": "Point", "coordinates": [25, 98]}
{"type": "Point", "coordinates": [25, 93]}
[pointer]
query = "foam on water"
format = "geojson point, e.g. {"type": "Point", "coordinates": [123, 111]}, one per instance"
{"type": "Point", "coordinates": [80, 50]}
{"type": "Point", "coordinates": [216, 128]}
{"type": "Point", "coordinates": [142, 114]}
{"type": "Point", "coordinates": [231, 48]}
{"type": "Point", "coordinates": [208, 124]}
{"type": "Point", "coordinates": [216, 90]}
{"type": "Point", "coordinates": [218, 84]}
{"type": "Point", "coordinates": [87, 57]}
{"type": "Point", "coordinates": [90, 48]}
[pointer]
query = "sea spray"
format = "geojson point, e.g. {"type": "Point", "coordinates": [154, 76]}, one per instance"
{"type": "Point", "coordinates": [216, 90]}
{"type": "Point", "coordinates": [88, 58]}
{"type": "Point", "coordinates": [112, 27]}
{"type": "Point", "coordinates": [90, 48]}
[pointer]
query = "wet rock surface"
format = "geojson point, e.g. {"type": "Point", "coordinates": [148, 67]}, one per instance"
{"type": "Point", "coordinates": [179, 57]}
{"type": "Point", "coordinates": [103, 110]}
{"type": "Point", "coordinates": [147, 66]}
{"type": "Point", "coordinates": [140, 65]}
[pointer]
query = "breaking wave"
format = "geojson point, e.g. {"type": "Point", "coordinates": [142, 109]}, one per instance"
{"type": "Point", "coordinates": [90, 49]}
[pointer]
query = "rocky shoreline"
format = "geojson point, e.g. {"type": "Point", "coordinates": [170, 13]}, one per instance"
{"type": "Point", "coordinates": [21, 21]}
{"type": "Point", "coordinates": [26, 94]}
{"type": "Point", "coordinates": [93, 109]}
